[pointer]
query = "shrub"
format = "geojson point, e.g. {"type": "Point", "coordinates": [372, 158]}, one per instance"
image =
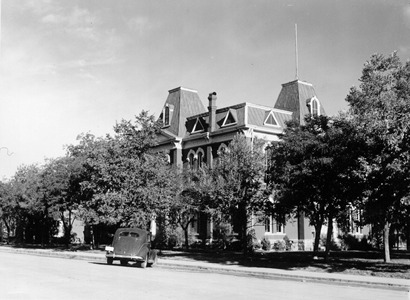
{"type": "Point", "coordinates": [333, 244]}
{"type": "Point", "coordinates": [279, 245]}
{"type": "Point", "coordinates": [265, 244]}
{"type": "Point", "coordinates": [351, 242]}
{"type": "Point", "coordinates": [301, 245]}
{"type": "Point", "coordinates": [222, 234]}
{"type": "Point", "coordinates": [288, 243]}
{"type": "Point", "coordinates": [168, 238]}
{"type": "Point", "coordinates": [251, 241]}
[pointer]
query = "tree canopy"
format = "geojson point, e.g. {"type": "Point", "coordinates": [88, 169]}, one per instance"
{"type": "Point", "coordinates": [239, 174]}
{"type": "Point", "coordinates": [380, 107]}
{"type": "Point", "coordinates": [312, 171]}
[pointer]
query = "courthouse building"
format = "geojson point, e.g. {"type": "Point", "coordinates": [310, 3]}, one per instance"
{"type": "Point", "coordinates": [193, 134]}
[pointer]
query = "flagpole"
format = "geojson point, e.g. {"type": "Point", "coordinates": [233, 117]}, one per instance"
{"type": "Point", "coordinates": [296, 51]}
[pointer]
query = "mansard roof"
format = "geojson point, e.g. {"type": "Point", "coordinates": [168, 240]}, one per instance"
{"type": "Point", "coordinates": [187, 118]}
{"type": "Point", "coordinates": [184, 102]}
{"type": "Point", "coordinates": [294, 96]}
{"type": "Point", "coordinates": [245, 115]}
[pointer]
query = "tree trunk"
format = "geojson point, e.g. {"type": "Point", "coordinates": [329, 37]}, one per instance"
{"type": "Point", "coordinates": [318, 229]}
{"type": "Point", "coordinates": [408, 234]}
{"type": "Point", "coordinates": [244, 226]}
{"type": "Point", "coordinates": [386, 233]}
{"type": "Point", "coordinates": [8, 230]}
{"type": "Point", "coordinates": [329, 236]}
{"type": "Point", "coordinates": [92, 237]}
{"type": "Point", "coordinates": [186, 234]}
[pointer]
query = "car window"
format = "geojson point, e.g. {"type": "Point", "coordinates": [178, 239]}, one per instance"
{"type": "Point", "coordinates": [126, 233]}
{"type": "Point", "coordinates": [134, 234]}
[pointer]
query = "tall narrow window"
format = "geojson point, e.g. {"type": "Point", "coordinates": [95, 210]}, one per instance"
{"type": "Point", "coordinates": [268, 224]}
{"type": "Point", "coordinates": [200, 159]}
{"type": "Point", "coordinates": [314, 107]}
{"type": "Point", "coordinates": [166, 116]}
{"type": "Point", "coordinates": [191, 160]}
{"type": "Point", "coordinates": [279, 227]}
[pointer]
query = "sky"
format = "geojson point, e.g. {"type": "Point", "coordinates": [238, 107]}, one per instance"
{"type": "Point", "coordinates": [80, 66]}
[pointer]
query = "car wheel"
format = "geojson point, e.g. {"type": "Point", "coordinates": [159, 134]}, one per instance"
{"type": "Point", "coordinates": [145, 262]}
{"type": "Point", "coordinates": [123, 262]}
{"type": "Point", "coordinates": [154, 262]}
{"type": "Point", "coordinates": [109, 260]}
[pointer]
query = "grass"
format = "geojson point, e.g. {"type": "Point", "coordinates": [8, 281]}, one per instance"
{"type": "Point", "coordinates": [369, 263]}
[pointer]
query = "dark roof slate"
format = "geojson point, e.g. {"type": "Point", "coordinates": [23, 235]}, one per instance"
{"type": "Point", "coordinates": [293, 97]}
{"type": "Point", "coordinates": [185, 103]}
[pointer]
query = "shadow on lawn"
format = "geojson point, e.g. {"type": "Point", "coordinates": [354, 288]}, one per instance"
{"type": "Point", "coordinates": [352, 262]}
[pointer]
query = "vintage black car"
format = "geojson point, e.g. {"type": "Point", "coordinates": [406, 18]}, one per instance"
{"type": "Point", "coordinates": [131, 245]}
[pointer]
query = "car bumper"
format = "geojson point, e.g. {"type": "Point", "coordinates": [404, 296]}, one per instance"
{"type": "Point", "coordinates": [128, 257]}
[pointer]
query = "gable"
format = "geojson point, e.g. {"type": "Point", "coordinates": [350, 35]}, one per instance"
{"type": "Point", "coordinates": [230, 118]}
{"type": "Point", "coordinates": [198, 126]}
{"type": "Point", "coordinates": [270, 119]}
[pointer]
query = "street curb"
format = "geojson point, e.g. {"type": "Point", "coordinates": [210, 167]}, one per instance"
{"type": "Point", "coordinates": [360, 281]}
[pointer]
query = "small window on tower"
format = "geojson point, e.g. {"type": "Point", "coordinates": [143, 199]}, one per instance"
{"type": "Point", "coordinates": [166, 116]}
{"type": "Point", "coordinates": [314, 107]}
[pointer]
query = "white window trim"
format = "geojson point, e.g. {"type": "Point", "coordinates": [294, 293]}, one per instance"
{"type": "Point", "coordinates": [355, 229]}
{"type": "Point", "coordinates": [314, 99]}
{"type": "Point", "coordinates": [200, 150]}
{"type": "Point", "coordinates": [189, 160]}
{"type": "Point", "coordinates": [273, 116]}
{"type": "Point", "coordinates": [196, 123]}
{"type": "Point", "coordinates": [170, 111]}
{"type": "Point", "coordinates": [226, 118]}
{"type": "Point", "coordinates": [270, 225]}
{"type": "Point", "coordinates": [273, 226]}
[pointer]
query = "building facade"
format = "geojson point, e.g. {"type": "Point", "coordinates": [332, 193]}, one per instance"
{"type": "Point", "coordinates": [193, 134]}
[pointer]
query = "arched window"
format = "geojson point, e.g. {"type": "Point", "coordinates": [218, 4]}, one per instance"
{"type": "Point", "coordinates": [200, 158]}
{"type": "Point", "coordinates": [222, 148]}
{"type": "Point", "coordinates": [314, 107]}
{"type": "Point", "coordinates": [191, 159]}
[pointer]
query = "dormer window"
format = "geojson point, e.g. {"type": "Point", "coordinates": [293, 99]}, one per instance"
{"type": "Point", "coordinates": [198, 127]}
{"type": "Point", "coordinates": [314, 107]}
{"type": "Point", "coordinates": [230, 118]}
{"type": "Point", "coordinates": [270, 120]}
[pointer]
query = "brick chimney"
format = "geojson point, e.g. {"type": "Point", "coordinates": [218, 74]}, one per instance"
{"type": "Point", "coordinates": [212, 111]}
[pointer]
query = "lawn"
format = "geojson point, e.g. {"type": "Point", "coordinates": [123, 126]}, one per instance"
{"type": "Point", "coordinates": [346, 262]}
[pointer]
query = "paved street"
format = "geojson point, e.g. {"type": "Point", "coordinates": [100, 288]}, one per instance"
{"type": "Point", "coordinates": [34, 277]}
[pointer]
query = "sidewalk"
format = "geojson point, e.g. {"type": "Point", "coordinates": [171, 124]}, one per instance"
{"type": "Point", "coordinates": [233, 269]}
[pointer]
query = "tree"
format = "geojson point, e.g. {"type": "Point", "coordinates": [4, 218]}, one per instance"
{"type": "Point", "coordinates": [313, 171]}
{"type": "Point", "coordinates": [191, 199]}
{"type": "Point", "coordinates": [35, 224]}
{"type": "Point", "coordinates": [381, 110]}
{"type": "Point", "coordinates": [60, 184]}
{"type": "Point", "coordinates": [7, 208]}
{"type": "Point", "coordinates": [239, 182]}
{"type": "Point", "coordinates": [124, 183]}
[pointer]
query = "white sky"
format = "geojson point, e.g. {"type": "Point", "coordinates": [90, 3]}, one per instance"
{"type": "Point", "coordinates": [69, 67]}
